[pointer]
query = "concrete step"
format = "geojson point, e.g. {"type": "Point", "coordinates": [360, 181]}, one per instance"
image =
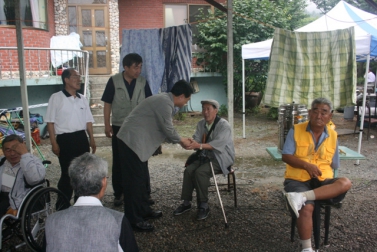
{"type": "Point", "coordinates": [96, 92]}
{"type": "Point", "coordinates": [98, 79]}
{"type": "Point", "coordinates": [97, 110]}
{"type": "Point", "coordinates": [98, 119]}
{"type": "Point", "coordinates": [97, 86]}
{"type": "Point", "coordinates": [97, 101]}
{"type": "Point", "coordinates": [102, 140]}
{"type": "Point", "coordinates": [99, 128]}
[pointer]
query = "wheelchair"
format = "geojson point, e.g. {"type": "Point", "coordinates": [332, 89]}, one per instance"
{"type": "Point", "coordinates": [29, 224]}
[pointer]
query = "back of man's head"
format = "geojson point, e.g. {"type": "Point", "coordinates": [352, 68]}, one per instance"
{"type": "Point", "coordinates": [87, 172]}
{"type": "Point", "coordinates": [132, 58]}
{"type": "Point", "coordinates": [182, 87]}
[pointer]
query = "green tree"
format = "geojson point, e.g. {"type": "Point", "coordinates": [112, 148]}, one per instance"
{"type": "Point", "coordinates": [212, 37]}
{"type": "Point", "coordinates": [326, 5]}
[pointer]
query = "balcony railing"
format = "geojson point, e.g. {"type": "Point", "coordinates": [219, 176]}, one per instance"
{"type": "Point", "coordinates": [43, 63]}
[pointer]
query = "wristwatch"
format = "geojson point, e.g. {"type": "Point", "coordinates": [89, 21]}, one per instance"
{"type": "Point", "coordinates": [201, 147]}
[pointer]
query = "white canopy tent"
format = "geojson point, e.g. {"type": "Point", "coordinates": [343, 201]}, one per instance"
{"type": "Point", "coordinates": [341, 16]}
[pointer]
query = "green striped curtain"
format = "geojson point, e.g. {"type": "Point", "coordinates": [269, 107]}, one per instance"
{"type": "Point", "coordinates": [304, 66]}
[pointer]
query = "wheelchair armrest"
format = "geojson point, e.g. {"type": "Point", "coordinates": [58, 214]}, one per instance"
{"type": "Point", "coordinates": [32, 186]}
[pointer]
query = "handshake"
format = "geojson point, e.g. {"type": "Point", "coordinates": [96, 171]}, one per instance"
{"type": "Point", "coordinates": [189, 144]}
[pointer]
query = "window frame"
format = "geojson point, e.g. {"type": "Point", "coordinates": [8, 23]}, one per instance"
{"type": "Point", "coordinates": [24, 26]}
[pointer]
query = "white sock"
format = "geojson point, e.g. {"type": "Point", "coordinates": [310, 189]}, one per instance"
{"type": "Point", "coordinates": [306, 243]}
{"type": "Point", "coordinates": [309, 195]}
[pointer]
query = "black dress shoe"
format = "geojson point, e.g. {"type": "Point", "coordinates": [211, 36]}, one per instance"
{"type": "Point", "coordinates": [143, 226]}
{"type": "Point", "coordinates": [202, 213]}
{"type": "Point", "coordinates": [181, 209]}
{"type": "Point", "coordinates": [153, 215]}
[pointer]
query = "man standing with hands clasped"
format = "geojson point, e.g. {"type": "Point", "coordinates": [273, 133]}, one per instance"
{"type": "Point", "coordinates": [69, 119]}
{"type": "Point", "coordinates": [123, 92]}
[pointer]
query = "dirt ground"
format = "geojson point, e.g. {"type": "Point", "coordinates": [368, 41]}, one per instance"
{"type": "Point", "coordinates": [261, 221]}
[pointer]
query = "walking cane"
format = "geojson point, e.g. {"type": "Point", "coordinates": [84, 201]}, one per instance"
{"type": "Point", "coordinates": [218, 195]}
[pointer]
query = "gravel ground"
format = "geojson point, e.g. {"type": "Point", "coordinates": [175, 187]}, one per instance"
{"type": "Point", "coordinates": [261, 221]}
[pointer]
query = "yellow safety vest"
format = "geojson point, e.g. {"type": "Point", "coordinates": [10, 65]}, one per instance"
{"type": "Point", "coordinates": [305, 150]}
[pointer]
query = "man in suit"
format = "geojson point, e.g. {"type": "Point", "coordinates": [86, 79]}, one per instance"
{"type": "Point", "coordinates": [87, 225]}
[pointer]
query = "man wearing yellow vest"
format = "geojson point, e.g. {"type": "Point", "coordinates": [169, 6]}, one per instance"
{"type": "Point", "coordinates": [311, 153]}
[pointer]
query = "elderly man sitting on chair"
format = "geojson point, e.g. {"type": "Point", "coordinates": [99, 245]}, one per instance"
{"type": "Point", "coordinates": [19, 172]}
{"type": "Point", "coordinates": [213, 138]}
{"type": "Point", "coordinates": [311, 153]}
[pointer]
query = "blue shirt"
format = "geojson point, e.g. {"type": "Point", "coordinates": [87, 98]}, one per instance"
{"type": "Point", "coordinates": [290, 145]}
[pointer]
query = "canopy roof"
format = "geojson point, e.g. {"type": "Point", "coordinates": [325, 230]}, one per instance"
{"type": "Point", "coordinates": [342, 16]}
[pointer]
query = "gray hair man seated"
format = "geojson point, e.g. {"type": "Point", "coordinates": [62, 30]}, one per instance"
{"type": "Point", "coordinates": [213, 138]}
{"type": "Point", "coordinates": [19, 172]}
{"type": "Point", "coordinates": [311, 153]}
{"type": "Point", "coordinates": [87, 225]}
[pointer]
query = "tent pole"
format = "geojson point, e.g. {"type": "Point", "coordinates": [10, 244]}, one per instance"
{"type": "Point", "coordinates": [21, 69]}
{"type": "Point", "coordinates": [363, 111]}
{"type": "Point", "coordinates": [243, 98]}
{"type": "Point", "coordinates": [230, 66]}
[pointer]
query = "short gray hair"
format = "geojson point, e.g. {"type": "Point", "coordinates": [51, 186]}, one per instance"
{"type": "Point", "coordinates": [86, 173]}
{"type": "Point", "coordinates": [323, 101]}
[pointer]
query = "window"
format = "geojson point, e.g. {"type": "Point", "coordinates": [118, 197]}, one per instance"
{"type": "Point", "coordinates": [33, 13]}
{"type": "Point", "coordinates": [179, 14]}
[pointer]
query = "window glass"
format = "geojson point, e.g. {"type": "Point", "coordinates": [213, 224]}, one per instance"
{"type": "Point", "coordinates": [87, 38]}
{"type": "Point", "coordinates": [99, 17]}
{"type": "Point", "coordinates": [100, 38]}
{"type": "Point", "coordinates": [176, 14]}
{"type": "Point", "coordinates": [86, 18]}
{"type": "Point", "coordinates": [33, 13]}
{"type": "Point", "coordinates": [72, 19]}
{"type": "Point", "coordinates": [194, 11]}
{"type": "Point", "coordinates": [101, 58]}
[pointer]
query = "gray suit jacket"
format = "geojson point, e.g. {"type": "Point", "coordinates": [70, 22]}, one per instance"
{"type": "Point", "coordinates": [89, 228]}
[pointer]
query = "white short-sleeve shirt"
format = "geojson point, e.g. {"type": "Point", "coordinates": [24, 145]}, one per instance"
{"type": "Point", "coordinates": [68, 113]}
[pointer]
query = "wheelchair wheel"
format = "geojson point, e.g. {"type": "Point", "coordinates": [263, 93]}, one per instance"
{"type": "Point", "coordinates": [42, 204]}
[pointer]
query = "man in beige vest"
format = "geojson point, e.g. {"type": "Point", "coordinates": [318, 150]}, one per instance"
{"type": "Point", "coordinates": [123, 92]}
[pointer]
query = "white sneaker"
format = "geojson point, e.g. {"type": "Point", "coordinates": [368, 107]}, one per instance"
{"type": "Point", "coordinates": [296, 201]}
{"type": "Point", "coordinates": [307, 250]}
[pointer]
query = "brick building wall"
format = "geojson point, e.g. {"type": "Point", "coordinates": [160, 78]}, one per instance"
{"type": "Point", "coordinates": [32, 38]}
{"type": "Point", "coordinates": [146, 14]}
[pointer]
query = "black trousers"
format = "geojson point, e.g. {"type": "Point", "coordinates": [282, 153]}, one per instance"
{"type": "Point", "coordinates": [71, 145]}
{"type": "Point", "coordinates": [4, 203]}
{"type": "Point", "coordinates": [116, 176]}
{"type": "Point", "coordinates": [117, 168]}
{"type": "Point", "coordinates": [135, 177]}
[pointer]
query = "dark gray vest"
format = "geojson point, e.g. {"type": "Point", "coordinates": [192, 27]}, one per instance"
{"type": "Point", "coordinates": [84, 228]}
{"type": "Point", "coordinates": [122, 104]}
